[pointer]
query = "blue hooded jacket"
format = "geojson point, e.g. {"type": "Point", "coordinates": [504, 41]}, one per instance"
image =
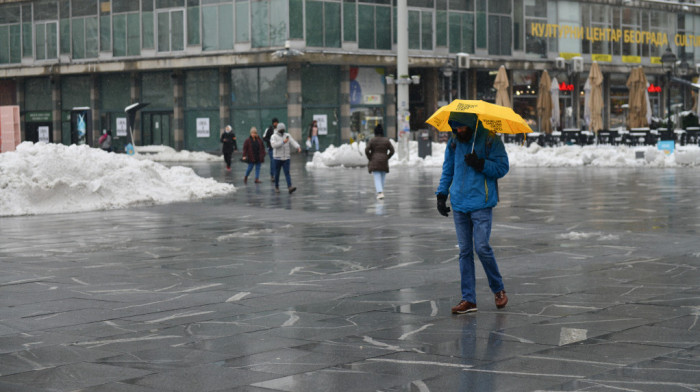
{"type": "Point", "coordinates": [470, 190]}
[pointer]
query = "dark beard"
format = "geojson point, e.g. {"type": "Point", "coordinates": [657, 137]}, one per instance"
{"type": "Point", "coordinates": [464, 136]}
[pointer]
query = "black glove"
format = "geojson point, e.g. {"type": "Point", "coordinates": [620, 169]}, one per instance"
{"type": "Point", "coordinates": [442, 207]}
{"type": "Point", "coordinates": [474, 161]}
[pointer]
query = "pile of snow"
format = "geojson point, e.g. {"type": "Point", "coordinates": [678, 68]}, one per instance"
{"type": "Point", "coordinates": [168, 154]}
{"type": "Point", "coordinates": [353, 155]}
{"type": "Point", "coordinates": [53, 178]}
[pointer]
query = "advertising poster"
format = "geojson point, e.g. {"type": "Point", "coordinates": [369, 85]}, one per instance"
{"type": "Point", "coordinates": [322, 122]}
{"type": "Point", "coordinates": [366, 85]}
{"type": "Point", "coordinates": [121, 126]}
{"type": "Point", "coordinates": [43, 134]}
{"type": "Point", "coordinates": [203, 127]}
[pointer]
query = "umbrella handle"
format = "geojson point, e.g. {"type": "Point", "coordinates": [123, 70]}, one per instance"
{"type": "Point", "coordinates": [474, 137]}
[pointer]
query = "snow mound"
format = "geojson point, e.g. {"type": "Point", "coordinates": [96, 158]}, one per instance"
{"type": "Point", "coordinates": [53, 178]}
{"type": "Point", "coordinates": [168, 154]}
{"type": "Point", "coordinates": [353, 155]}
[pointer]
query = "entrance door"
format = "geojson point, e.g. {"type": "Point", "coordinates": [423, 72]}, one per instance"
{"type": "Point", "coordinates": [156, 128]}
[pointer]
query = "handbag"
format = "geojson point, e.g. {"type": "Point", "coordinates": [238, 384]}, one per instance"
{"type": "Point", "coordinates": [244, 159]}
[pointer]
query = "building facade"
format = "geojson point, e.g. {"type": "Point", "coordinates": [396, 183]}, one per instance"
{"type": "Point", "coordinates": [202, 64]}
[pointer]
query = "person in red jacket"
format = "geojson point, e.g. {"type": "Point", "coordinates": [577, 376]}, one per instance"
{"type": "Point", "coordinates": [254, 154]}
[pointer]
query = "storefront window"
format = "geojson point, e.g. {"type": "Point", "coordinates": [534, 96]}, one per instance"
{"type": "Point", "coordinates": [619, 96]}
{"type": "Point", "coordinates": [525, 96]}
{"type": "Point", "coordinates": [567, 88]}
{"type": "Point", "coordinates": [366, 101]}
{"type": "Point", "coordinates": [484, 86]}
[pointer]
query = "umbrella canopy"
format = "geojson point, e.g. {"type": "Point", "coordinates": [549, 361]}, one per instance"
{"type": "Point", "coordinates": [637, 85]}
{"type": "Point", "coordinates": [595, 103]}
{"type": "Point", "coordinates": [556, 113]}
{"type": "Point", "coordinates": [493, 117]}
{"type": "Point", "coordinates": [544, 103]}
{"type": "Point", "coordinates": [501, 86]}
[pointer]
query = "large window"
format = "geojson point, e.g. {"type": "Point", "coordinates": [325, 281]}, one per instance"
{"type": "Point", "coordinates": [500, 25]}
{"type": "Point", "coordinates": [171, 30]}
{"type": "Point", "coordinates": [217, 27]}
{"type": "Point", "coordinates": [46, 40]}
{"type": "Point", "coordinates": [461, 32]}
{"type": "Point", "coordinates": [10, 34]}
{"type": "Point", "coordinates": [630, 20]}
{"type": "Point", "coordinates": [535, 17]}
{"type": "Point", "coordinates": [242, 21]}
{"type": "Point", "coordinates": [375, 30]}
{"type": "Point", "coordinates": [258, 95]}
{"type": "Point", "coordinates": [84, 29]}
{"type": "Point", "coordinates": [596, 17]}
{"type": "Point", "coordinates": [323, 24]}
{"type": "Point", "coordinates": [420, 33]}
{"type": "Point", "coordinates": [269, 22]}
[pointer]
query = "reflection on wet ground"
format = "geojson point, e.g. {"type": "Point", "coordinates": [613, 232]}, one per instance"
{"type": "Point", "coordinates": [329, 289]}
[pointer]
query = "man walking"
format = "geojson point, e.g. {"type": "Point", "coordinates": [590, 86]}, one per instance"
{"type": "Point", "coordinates": [266, 138]}
{"type": "Point", "coordinates": [470, 178]}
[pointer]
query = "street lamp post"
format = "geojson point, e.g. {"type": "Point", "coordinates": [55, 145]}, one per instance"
{"type": "Point", "coordinates": [668, 62]}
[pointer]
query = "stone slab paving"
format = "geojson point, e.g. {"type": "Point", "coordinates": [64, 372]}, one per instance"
{"type": "Point", "coordinates": [329, 289]}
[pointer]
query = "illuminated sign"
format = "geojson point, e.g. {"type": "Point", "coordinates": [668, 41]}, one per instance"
{"type": "Point", "coordinates": [566, 87]}
{"type": "Point", "coordinates": [654, 89]}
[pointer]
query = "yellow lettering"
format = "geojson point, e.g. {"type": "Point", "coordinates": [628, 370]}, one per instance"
{"type": "Point", "coordinates": [536, 29]}
{"type": "Point", "coordinates": [618, 35]}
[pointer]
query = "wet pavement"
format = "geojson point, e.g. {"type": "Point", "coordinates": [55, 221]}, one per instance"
{"type": "Point", "coordinates": [328, 289]}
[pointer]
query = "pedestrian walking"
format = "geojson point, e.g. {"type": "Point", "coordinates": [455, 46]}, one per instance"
{"type": "Point", "coordinates": [281, 144]}
{"type": "Point", "coordinates": [254, 154]}
{"type": "Point", "coordinates": [228, 140]}
{"type": "Point", "coordinates": [470, 177]}
{"type": "Point", "coordinates": [266, 137]}
{"type": "Point", "coordinates": [379, 150]}
{"type": "Point", "coordinates": [105, 141]}
{"type": "Point", "coordinates": [313, 135]}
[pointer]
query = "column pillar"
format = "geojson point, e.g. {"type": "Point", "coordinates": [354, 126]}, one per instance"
{"type": "Point", "coordinates": [225, 97]}
{"type": "Point", "coordinates": [345, 119]}
{"type": "Point", "coordinates": [390, 99]}
{"type": "Point", "coordinates": [56, 114]}
{"type": "Point", "coordinates": [136, 97]}
{"type": "Point", "coordinates": [294, 101]}
{"type": "Point", "coordinates": [178, 111]}
{"type": "Point", "coordinates": [95, 106]}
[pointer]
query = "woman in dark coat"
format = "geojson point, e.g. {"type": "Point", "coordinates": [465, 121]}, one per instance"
{"type": "Point", "coordinates": [379, 150]}
{"type": "Point", "coordinates": [254, 154]}
{"type": "Point", "coordinates": [228, 141]}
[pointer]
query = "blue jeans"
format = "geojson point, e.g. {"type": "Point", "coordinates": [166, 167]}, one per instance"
{"type": "Point", "coordinates": [314, 141]}
{"type": "Point", "coordinates": [473, 232]}
{"type": "Point", "coordinates": [250, 168]}
{"type": "Point", "coordinates": [379, 177]}
{"type": "Point", "coordinates": [272, 162]}
{"type": "Point", "coordinates": [280, 165]}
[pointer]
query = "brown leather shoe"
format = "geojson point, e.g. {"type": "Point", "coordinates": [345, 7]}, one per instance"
{"type": "Point", "coordinates": [464, 307]}
{"type": "Point", "coordinates": [501, 299]}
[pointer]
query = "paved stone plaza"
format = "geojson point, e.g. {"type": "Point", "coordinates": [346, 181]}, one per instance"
{"type": "Point", "coordinates": [331, 290]}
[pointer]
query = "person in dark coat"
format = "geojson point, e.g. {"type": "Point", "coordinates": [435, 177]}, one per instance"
{"type": "Point", "coordinates": [266, 137]}
{"type": "Point", "coordinates": [254, 154]}
{"type": "Point", "coordinates": [228, 139]}
{"type": "Point", "coordinates": [379, 150]}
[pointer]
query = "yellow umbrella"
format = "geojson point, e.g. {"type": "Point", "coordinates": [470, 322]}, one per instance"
{"type": "Point", "coordinates": [493, 117]}
{"type": "Point", "coordinates": [501, 86]}
{"type": "Point", "coordinates": [595, 78]}
{"type": "Point", "coordinates": [544, 103]}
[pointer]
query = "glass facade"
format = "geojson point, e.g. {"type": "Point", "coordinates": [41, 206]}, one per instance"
{"type": "Point", "coordinates": [194, 36]}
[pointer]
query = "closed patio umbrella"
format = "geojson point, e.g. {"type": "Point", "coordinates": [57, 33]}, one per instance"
{"type": "Point", "coordinates": [501, 86]}
{"type": "Point", "coordinates": [595, 103]}
{"type": "Point", "coordinates": [544, 103]}
{"type": "Point", "coordinates": [637, 85]}
{"type": "Point", "coordinates": [556, 113]}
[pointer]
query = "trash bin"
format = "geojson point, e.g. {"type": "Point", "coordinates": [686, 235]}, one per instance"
{"type": "Point", "coordinates": [425, 146]}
